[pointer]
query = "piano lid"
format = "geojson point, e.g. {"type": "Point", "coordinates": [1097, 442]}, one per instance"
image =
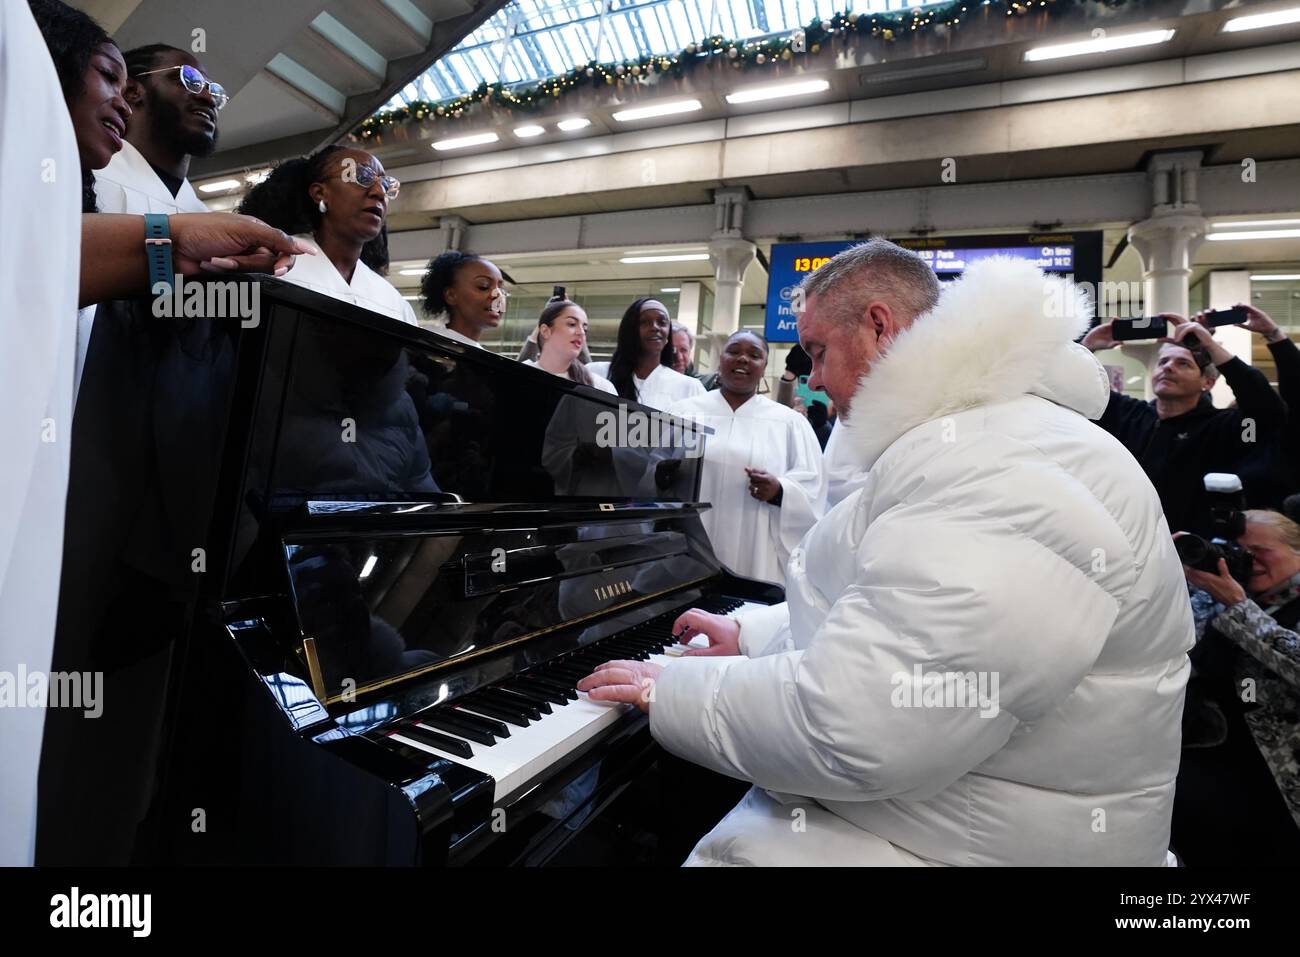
{"type": "Point", "coordinates": [342, 404]}
{"type": "Point", "coordinates": [421, 503]}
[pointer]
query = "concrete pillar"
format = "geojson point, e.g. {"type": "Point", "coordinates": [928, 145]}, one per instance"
{"type": "Point", "coordinates": [1223, 290]}
{"type": "Point", "coordinates": [730, 254]}
{"type": "Point", "coordinates": [452, 231]}
{"type": "Point", "coordinates": [688, 315]}
{"type": "Point", "coordinates": [1168, 240]}
{"type": "Point", "coordinates": [688, 306]}
{"type": "Point", "coordinates": [730, 259]}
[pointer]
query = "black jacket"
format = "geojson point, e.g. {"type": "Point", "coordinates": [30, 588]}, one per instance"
{"type": "Point", "coordinates": [1274, 473]}
{"type": "Point", "coordinates": [1177, 452]}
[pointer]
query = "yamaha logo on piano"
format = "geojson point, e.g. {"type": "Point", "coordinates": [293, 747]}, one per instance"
{"type": "Point", "coordinates": [613, 591]}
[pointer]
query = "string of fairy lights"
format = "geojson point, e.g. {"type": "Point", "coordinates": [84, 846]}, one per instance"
{"type": "Point", "coordinates": [797, 47]}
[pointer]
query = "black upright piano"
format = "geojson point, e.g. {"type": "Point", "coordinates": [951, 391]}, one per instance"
{"type": "Point", "coordinates": [416, 550]}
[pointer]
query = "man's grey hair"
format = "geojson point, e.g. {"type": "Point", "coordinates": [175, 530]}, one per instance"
{"type": "Point", "coordinates": [678, 327]}
{"type": "Point", "coordinates": [875, 269]}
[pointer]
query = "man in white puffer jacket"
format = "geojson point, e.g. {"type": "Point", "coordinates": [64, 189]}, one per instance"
{"type": "Point", "coordinates": [983, 652]}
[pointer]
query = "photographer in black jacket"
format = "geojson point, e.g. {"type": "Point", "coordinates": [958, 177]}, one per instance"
{"type": "Point", "coordinates": [1273, 474]}
{"type": "Point", "coordinates": [1179, 436]}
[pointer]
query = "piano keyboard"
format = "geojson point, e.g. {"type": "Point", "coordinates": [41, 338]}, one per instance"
{"type": "Point", "coordinates": [518, 728]}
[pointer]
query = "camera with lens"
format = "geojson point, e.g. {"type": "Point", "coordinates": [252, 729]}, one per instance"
{"type": "Point", "coordinates": [1227, 524]}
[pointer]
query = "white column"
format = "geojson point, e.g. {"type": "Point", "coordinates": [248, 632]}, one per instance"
{"type": "Point", "coordinates": [730, 259]}
{"type": "Point", "coordinates": [730, 254]}
{"type": "Point", "coordinates": [688, 305]}
{"type": "Point", "coordinates": [1167, 241]}
{"type": "Point", "coordinates": [1223, 290]}
{"type": "Point", "coordinates": [451, 231]}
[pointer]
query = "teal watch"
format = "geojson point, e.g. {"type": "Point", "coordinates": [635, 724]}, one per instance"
{"type": "Point", "coordinates": [158, 249]}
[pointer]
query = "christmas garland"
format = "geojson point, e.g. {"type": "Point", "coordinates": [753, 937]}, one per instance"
{"type": "Point", "coordinates": [797, 46]}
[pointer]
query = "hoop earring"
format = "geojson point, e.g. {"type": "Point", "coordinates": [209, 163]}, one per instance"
{"type": "Point", "coordinates": [321, 205]}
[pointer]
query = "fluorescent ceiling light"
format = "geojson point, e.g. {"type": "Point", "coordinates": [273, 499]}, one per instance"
{"type": "Point", "coordinates": [523, 132]}
{"type": "Point", "coordinates": [252, 179]}
{"type": "Point", "coordinates": [1258, 222]}
{"type": "Point", "coordinates": [778, 90]}
{"type": "Point", "coordinates": [659, 252]}
{"type": "Point", "coordinates": [1259, 20]}
{"type": "Point", "coordinates": [411, 272]}
{"type": "Point", "coordinates": [576, 123]}
{"type": "Point", "coordinates": [1276, 277]}
{"type": "Point", "coordinates": [671, 289]}
{"type": "Point", "coordinates": [1258, 234]}
{"type": "Point", "coordinates": [460, 142]}
{"type": "Point", "coordinates": [673, 258]}
{"type": "Point", "coordinates": [1101, 45]}
{"type": "Point", "coordinates": [660, 109]}
{"type": "Point", "coordinates": [219, 185]}
{"type": "Point", "coordinates": [411, 298]}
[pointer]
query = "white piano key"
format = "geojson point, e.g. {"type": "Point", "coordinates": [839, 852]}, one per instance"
{"type": "Point", "coordinates": [525, 756]}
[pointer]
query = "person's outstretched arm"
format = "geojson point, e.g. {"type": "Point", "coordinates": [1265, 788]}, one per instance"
{"type": "Point", "coordinates": [113, 263]}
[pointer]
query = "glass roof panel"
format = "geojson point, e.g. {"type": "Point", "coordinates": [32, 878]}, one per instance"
{"type": "Point", "coordinates": [548, 37]}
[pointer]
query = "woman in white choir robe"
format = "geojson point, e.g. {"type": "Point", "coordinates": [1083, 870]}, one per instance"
{"type": "Point", "coordinates": [762, 469]}
{"type": "Point", "coordinates": [638, 367]}
{"type": "Point", "coordinates": [336, 202]}
{"type": "Point", "coordinates": [465, 295]}
{"type": "Point", "coordinates": [561, 337]}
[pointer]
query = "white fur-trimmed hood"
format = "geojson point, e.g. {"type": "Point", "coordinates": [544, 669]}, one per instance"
{"type": "Point", "coordinates": [1001, 331]}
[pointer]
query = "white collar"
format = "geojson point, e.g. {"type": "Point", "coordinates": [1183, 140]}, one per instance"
{"type": "Point", "coordinates": [135, 171]}
{"type": "Point", "coordinates": [1001, 331]}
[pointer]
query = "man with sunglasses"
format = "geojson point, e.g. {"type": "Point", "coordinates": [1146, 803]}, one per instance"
{"type": "Point", "coordinates": [174, 108]}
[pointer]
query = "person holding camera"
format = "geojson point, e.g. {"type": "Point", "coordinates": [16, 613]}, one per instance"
{"type": "Point", "coordinates": [1238, 796]}
{"type": "Point", "coordinates": [1180, 436]}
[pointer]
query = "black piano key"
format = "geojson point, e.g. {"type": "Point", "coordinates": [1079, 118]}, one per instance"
{"type": "Point", "coordinates": [615, 650]}
{"type": "Point", "coordinates": [534, 692]}
{"type": "Point", "coordinates": [492, 709]}
{"type": "Point", "coordinates": [585, 664]}
{"type": "Point", "coordinates": [641, 641]}
{"type": "Point", "coordinates": [514, 701]}
{"type": "Point", "coordinates": [571, 672]}
{"type": "Point", "coordinates": [441, 721]}
{"type": "Point", "coordinates": [491, 726]}
{"type": "Point", "coordinates": [563, 689]}
{"type": "Point", "coordinates": [434, 739]}
{"type": "Point", "coordinates": [538, 701]}
{"type": "Point", "coordinates": [412, 754]}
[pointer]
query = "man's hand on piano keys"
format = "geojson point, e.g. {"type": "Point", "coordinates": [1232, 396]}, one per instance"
{"type": "Point", "coordinates": [723, 633]}
{"type": "Point", "coordinates": [631, 682]}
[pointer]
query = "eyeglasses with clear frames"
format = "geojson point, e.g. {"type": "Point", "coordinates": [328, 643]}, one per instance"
{"type": "Point", "coordinates": [366, 176]}
{"type": "Point", "coordinates": [194, 83]}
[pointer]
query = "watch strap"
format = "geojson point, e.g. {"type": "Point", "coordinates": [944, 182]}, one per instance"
{"type": "Point", "coordinates": [158, 249]}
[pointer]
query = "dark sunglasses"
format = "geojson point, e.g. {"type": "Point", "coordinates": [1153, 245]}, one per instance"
{"type": "Point", "coordinates": [194, 82]}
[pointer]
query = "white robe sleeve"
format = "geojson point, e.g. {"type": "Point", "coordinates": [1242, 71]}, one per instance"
{"type": "Point", "coordinates": [40, 245]}
{"type": "Point", "coordinates": [803, 487]}
{"type": "Point", "coordinates": [835, 720]}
